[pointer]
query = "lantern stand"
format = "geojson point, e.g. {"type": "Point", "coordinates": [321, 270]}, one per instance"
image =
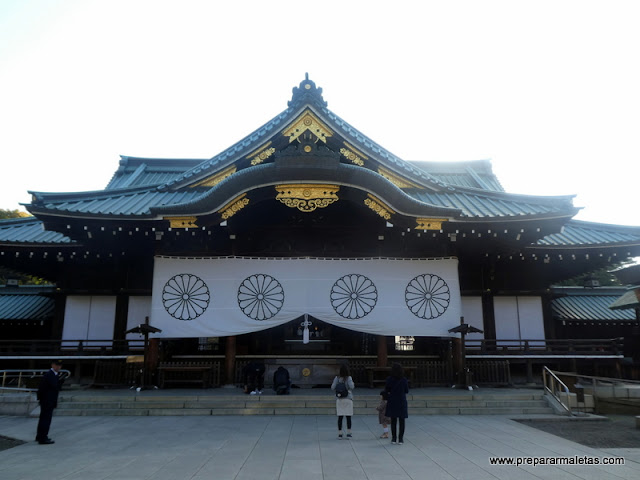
{"type": "Point", "coordinates": [145, 329]}
{"type": "Point", "coordinates": [464, 375]}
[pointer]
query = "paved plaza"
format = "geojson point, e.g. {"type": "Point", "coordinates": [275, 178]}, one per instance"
{"type": "Point", "coordinates": [292, 447]}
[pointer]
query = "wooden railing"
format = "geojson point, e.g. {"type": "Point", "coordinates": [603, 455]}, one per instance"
{"type": "Point", "coordinates": [490, 372]}
{"type": "Point", "coordinates": [112, 373]}
{"type": "Point", "coordinates": [507, 347]}
{"type": "Point", "coordinates": [203, 374]}
{"type": "Point", "coordinates": [63, 348]}
{"type": "Point", "coordinates": [571, 347]}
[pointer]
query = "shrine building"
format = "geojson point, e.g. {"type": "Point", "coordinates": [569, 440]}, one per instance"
{"type": "Point", "coordinates": [307, 244]}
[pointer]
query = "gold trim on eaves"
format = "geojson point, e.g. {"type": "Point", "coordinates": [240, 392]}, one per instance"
{"type": "Point", "coordinates": [216, 178]}
{"type": "Point", "coordinates": [182, 222]}
{"type": "Point", "coordinates": [353, 155]}
{"type": "Point", "coordinates": [234, 206]}
{"type": "Point", "coordinates": [396, 179]}
{"type": "Point", "coordinates": [261, 154]}
{"type": "Point", "coordinates": [429, 223]}
{"type": "Point", "coordinates": [378, 206]}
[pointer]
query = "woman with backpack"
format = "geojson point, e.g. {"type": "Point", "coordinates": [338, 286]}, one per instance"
{"type": "Point", "coordinates": [343, 386]}
{"type": "Point", "coordinates": [397, 388]}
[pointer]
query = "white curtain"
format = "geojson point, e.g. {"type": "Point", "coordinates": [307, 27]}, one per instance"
{"type": "Point", "coordinates": [209, 297]}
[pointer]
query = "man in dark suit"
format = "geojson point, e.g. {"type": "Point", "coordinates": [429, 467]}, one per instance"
{"type": "Point", "coordinates": [48, 398]}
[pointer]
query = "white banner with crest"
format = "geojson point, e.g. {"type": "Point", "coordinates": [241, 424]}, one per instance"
{"type": "Point", "coordinates": [221, 296]}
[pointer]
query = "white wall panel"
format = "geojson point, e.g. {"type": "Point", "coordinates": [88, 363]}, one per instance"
{"type": "Point", "coordinates": [506, 315]}
{"type": "Point", "coordinates": [531, 320]}
{"type": "Point", "coordinates": [102, 318]}
{"type": "Point", "coordinates": [89, 318]}
{"type": "Point", "coordinates": [472, 313]}
{"type": "Point", "coordinates": [76, 318]}
{"type": "Point", "coordinates": [518, 318]}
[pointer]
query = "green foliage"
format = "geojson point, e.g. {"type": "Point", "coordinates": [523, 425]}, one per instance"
{"type": "Point", "coordinates": [5, 213]}
{"type": "Point", "coordinates": [603, 276]}
{"type": "Point", "coordinates": [22, 279]}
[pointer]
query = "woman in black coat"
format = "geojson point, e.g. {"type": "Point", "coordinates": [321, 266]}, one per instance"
{"type": "Point", "coordinates": [397, 388]}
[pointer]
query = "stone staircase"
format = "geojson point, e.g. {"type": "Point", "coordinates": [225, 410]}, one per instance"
{"type": "Point", "coordinates": [298, 403]}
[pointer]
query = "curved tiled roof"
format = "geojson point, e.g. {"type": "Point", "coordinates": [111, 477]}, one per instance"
{"type": "Point", "coordinates": [591, 305]}
{"type": "Point", "coordinates": [473, 173]}
{"type": "Point", "coordinates": [476, 193]}
{"type": "Point", "coordinates": [470, 188]}
{"type": "Point", "coordinates": [247, 144]}
{"type": "Point", "coordinates": [135, 202]}
{"type": "Point", "coordinates": [303, 99]}
{"type": "Point", "coordinates": [370, 146]}
{"type": "Point", "coordinates": [28, 230]}
{"type": "Point", "coordinates": [481, 205]}
{"type": "Point", "coordinates": [581, 233]}
{"type": "Point", "coordinates": [25, 307]}
{"type": "Point", "coordinates": [314, 171]}
{"type": "Point", "coordinates": [136, 172]}
{"type": "Point", "coordinates": [629, 300]}
{"type": "Point", "coordinates": [139, 202]}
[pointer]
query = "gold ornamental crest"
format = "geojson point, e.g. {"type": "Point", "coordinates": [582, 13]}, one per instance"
{"type": "Point", "coordinates": [307, 197]}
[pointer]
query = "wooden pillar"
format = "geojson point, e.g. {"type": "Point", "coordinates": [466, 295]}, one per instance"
{"type": "Point", "coordinates": [230, 359]}
{"type": "Point", "coordinates": [57, 322]}
{"type": "Point", "coordinates": [153, 350]}
{"type": "Point", "coordinates": [154, 353]}
{"type": "Point", "coordinates": [574, 366]}
{"type": "Point", "coordinates": [122, 312]}
{"type": "Point", "coordinates": [488, 316]}
{"type": "Point", "coordinates": [547, 317]}
{"type": "Point", "coordinates": [76, 371]}
{"type": "Point", "coordinates": [529, 371]}
{"type": "Point", "coordinates": [456, 358]}
{"type": "Point", "coordinates": [382, 351]}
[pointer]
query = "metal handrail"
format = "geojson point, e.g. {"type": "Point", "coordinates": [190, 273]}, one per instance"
{"type": "Point", "coordinates": [603, 379]}
{"type": "Point", "coordinates": [4, 390]}
{"type": "Point", "coordinates": [7, 377]}
{"type": "Point", "coordinates": [555, 382]}
{"type": "Point", "coordinates": [614, 383]}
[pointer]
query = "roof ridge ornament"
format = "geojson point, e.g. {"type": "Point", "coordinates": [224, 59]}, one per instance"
{"type": "Point", "coordinates": [307, 92]}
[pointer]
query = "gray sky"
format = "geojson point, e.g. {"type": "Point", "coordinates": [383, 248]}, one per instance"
{"type": "Point", "coordinates": [548, 90]}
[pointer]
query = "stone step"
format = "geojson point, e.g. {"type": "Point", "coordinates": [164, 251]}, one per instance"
{"type": "Point", "coordinates": [479, 403]}
{"type": "Point", "coordinates": [268, 403]}
{"type": "Point", "coordinates": [194, 409]}
{"type": "Point", "coordinates": [287, 398]}
{"type": "Point", "coordinates": [505, 411]}
{"type": "Point", "coordinates": [239, 404]}
{"type": "Point", "coordinates": [290, 411]}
